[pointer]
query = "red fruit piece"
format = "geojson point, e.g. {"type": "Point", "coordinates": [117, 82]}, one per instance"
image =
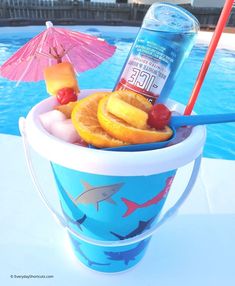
{"type": "Point", "coordinates": [159, 116]}
{"type": "Point", "coordinates": [66, 95]}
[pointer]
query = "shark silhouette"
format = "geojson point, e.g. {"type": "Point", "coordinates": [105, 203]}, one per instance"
{"type": "Point", "coordinates": [90, 262]}
{"type": "Point", "coordinates": [77, 222]}
{"type": "Point", "coordinates": [75, 212]}
{"type": "Point", "coordinates": [128, 255]}
{"type": "Point", "coordinates": [95, 195]}
{"type": "Point", "coordinates": [133, 206]}
{"type": "Point", "coordinates": [141, 227]}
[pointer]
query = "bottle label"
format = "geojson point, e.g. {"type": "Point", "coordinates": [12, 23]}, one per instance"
{"type": "Point", "coordinates": [147, 68]}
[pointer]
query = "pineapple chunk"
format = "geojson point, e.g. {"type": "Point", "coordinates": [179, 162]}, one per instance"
{"type": "Point", "coordinates": [127, 112]}
{"type": "Point", "coordinates": [59, 76]}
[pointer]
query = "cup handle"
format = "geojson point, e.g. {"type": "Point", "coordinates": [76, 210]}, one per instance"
{"type": "Point", "coordinates": [60, 219]}
{"type": "Point", "coordinates": [56, 215]}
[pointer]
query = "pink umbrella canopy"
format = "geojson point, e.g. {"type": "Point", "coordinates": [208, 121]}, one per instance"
{"type": "Point", "coordinates": [55, 45]}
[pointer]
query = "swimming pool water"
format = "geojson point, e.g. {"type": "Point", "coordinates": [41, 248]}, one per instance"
{"type": "Point", "coordinates": [217, 94]}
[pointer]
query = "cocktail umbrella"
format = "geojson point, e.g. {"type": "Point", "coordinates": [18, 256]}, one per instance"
{"type": "Point", "coordinates": [55, 45]}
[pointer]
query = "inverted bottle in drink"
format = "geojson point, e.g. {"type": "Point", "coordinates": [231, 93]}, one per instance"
{"type": "Point", "coordinates": [162, 44]}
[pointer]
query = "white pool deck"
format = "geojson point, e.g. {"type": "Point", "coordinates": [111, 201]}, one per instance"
{"type": "Point", "coordinates": [195, 248]}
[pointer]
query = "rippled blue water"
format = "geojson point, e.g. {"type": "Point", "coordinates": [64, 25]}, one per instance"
{"type": "Point", "coordinates": [217, 94]}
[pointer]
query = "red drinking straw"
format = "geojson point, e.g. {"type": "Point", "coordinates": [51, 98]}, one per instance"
{"type": "Point", "coordinates": [210, 52]}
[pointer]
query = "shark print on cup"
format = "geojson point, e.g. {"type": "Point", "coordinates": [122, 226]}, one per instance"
{"type": "Point", "coordinates": [133, 206]}
{"type": "Point", "coordinates": [77, 222]}
{"type": "Point", "coordinates": [128, 255]}
{"type": "Point", "coordinates": [143, 225]}
{"type": "Point", "coordinates": [95, 195]}
{"type": "Point", "coordinates": [90, 262]}
{"type": "Point", "coordinates": [75, 213]}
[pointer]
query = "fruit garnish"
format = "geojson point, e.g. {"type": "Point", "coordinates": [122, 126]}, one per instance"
{"type": "Point", "coordinates": [84, 119]}
{"type": "Point", "coordinates": [121, 130]}
{"type": "Point", "coordinates": [59, 76]}
{"type": "Point", "coordinates": [66, 109]}
{"type": "Point", "coordinates": [66, 95]}
{"type": "Point", "coordinates": [128, 112]}
{"type": "Point", "coordinates": [159, 116]}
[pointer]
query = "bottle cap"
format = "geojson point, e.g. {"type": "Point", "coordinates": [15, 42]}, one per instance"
{"type": "Point", "coordinates": [170, 18]}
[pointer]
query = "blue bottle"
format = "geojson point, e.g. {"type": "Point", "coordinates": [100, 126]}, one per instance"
{"type": "Point", "coordinates": [161, 46]}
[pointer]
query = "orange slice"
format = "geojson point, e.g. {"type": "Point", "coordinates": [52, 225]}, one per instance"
{"type": "Point", "coordinates": [121, 130]}
{"type": "Point", "coordinates": [84, 119]}
{"type": "Point", "coordinates": [66, 108]}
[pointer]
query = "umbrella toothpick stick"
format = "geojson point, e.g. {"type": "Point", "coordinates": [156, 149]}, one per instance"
{"type": "Point", "coordinates": [56, 55]}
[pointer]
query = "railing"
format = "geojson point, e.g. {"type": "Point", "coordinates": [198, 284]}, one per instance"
{"type": "Point", "coordinates": [36, 11]}
{"type": "Point", "coordinates": [25, 12]}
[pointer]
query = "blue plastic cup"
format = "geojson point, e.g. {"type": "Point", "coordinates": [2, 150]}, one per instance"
{"type": "Point", "coordinates": [110, 208]}
{"type": "Point", "coordinates": [111, 199]}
